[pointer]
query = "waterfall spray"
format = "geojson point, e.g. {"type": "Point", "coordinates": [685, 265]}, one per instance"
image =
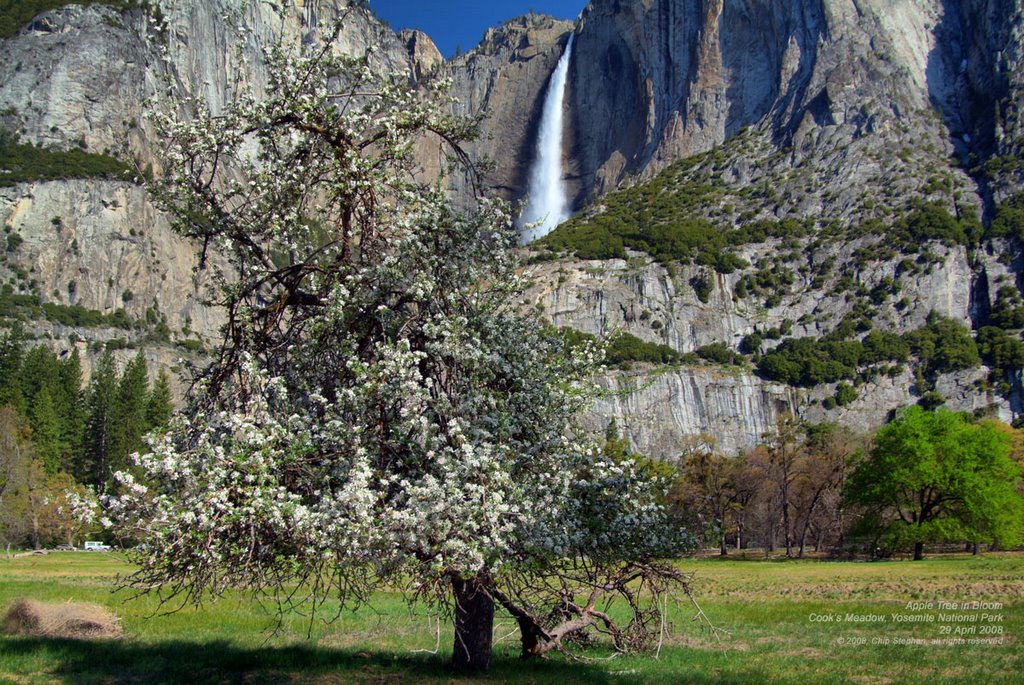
{"type": "Point", "coordinates": [547, 202]}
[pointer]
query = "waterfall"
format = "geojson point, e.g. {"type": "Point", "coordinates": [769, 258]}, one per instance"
{"type": "Point", "coordinates": [547, 202]}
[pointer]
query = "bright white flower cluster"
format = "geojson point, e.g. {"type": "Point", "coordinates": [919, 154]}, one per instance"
{"type": "Point", "coordinates": [380, 408]}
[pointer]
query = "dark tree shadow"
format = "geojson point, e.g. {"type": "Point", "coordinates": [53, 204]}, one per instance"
{"type": "Point", "coordinates": [127, 661]}
{"type": "Point", "coordinates": [120, 662]}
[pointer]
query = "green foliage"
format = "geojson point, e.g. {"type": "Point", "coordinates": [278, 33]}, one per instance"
{"type": "Point", "coordinates": [1008, 221]}
{"type": "Point", "coordinates": [100, 431]}
{"type": "Point", "coordinates": [69, 403]}
{"type": "Point", "coordinates": [664, 218]}
{"type": "Point", "coordinates": [129, 412]}
{"type": "Point", "coordinates": [702, 286]}
{"type": "Point", "coordinates": [31, 307]}
{"type": "Point", "coordinates": [751, 343]}
{"type": "Point", "coordinates": [622, 349]}
{"type": "Point", "coordinates": [931, 400]}
{"type": "Point", "coordinates": [943, 346]}
{"type": "Point", "coordinates": [719, 353]}
{"type": "Point", "coordinates": [809, 362]}
{"type": "Point", "coordinates": [22, 163]}
{"type": "Point", "coordinates": [929, 221]}
{"type": "Point", "coordinates": [1003, 352]}
{"type": "Point", "coordinates": [881, 346]}
{"type": "Point", "coordinates": [772, 280]}
{"type": "Point", "coordinates": [74, 431]}
{"type": "Point", "coordinates": [11, 356]}
{"type": "Point", "coordinates": [845, 394]}
{"type": "Point", "coordinates": [1008, 310]}
{"type": "Point", "coordinates": [46, 431]}
{"type": "Point", "coordinates": [160, 405]}
{"type": "Point", "coordinates": [15, 14]}
{"type": "Point", "coordinates": [940, 476]}
{"type": "Point", "coordinates": [589, 242]}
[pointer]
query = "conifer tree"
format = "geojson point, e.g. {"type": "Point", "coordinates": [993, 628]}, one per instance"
{"type": "Point", "coordinates": [46, 433]}
{"type": "Point", "coordinates": [39, 370]}
{"type": "Point", "coordinates": [129, 411]}
{"type": "Point", "coordinates": [102, 396]}
{"type": "Point", "coordinates": [70, 405]}
{"type": "Point", "coordinates": [160, 404]}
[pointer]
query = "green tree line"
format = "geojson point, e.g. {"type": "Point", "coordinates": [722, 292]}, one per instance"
{"type": "Point", "coordinates": [928, 478]}
{"type": "Point", "coordinates": [76, 433]}
{"type": "Point", "coordinates": [15, 14]}
{"type": "Point", "coordinates": [22, 162]}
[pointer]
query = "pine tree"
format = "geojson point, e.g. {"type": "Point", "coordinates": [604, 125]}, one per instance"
{"type": "Point", "coordinates": [16, 455]}
{"type": "Point", "coordinates": [160, 404]}
{"type": "Point", "coordinates": [46, 433]}
{"type": "Point", "coordinates": [70, 405]}
{"type": "Point", "coordinates": [95, 465]}
{"type": "Point", "coordinates": [39, 370]}
{"type": "Point", "coordinates": [130, 411]}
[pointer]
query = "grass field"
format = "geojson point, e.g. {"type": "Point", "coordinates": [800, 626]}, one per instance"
{"type": "Point", "coordinates": [788, 622]}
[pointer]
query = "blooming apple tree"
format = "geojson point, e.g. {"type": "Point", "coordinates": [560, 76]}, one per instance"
{"type": "Point", "coordinates": [382, 409]}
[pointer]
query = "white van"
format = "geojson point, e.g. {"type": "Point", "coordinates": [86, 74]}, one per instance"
{"type": "Point", "coordinates": [95, 546]}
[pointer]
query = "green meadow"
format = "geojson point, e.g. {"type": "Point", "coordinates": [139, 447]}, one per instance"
{"type": "Point", "coordinates": [780, 622]}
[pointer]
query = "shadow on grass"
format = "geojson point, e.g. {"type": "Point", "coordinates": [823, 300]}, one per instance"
{"type": "Point", "coordinates": [79, 662]}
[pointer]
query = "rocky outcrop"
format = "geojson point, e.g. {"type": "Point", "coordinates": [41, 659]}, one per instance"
{"type": "Point", "coordinates": [654, 303]}
{"type": "Point", "coordinates": [103, 246]}
{"type": "Point", "coordinates": [658, 407]}
{"type": "Point", "coordinates": [659, 411]}
{"type": "Point", "coordinates": [424, 56]}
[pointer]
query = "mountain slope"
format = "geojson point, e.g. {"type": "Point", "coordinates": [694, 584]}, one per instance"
{"type": "Point", "coordinates": [747, 173]}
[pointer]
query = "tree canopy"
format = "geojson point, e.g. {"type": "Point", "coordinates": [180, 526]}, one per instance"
{"type": "Point", "coordinates": [936, 476]}
{"type": "Point", "coordinates": [381, 410]}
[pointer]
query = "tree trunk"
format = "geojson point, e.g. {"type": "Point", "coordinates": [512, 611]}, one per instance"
{"type": "Point", "coordinates": [974, 548]}
{"type": "Point", "coordinates": [918, 551]}
{"type": "Point", "coordinates": [474, 626]}
{"type": "Point", "coordinates": [33, 533]}
{"type": "Point", "coordinates": [787, 533]}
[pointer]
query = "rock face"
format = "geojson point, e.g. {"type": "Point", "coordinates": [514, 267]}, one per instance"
{"type": "Point", "coordinates": [79, 76]}
{"type": "Point", "coordinates": [838, 111]}
{"type": "Point", "coordinates": [424, 56]}
{"type": "Point", "coordinates": [657, 408]}
{"type": "Point", "coordinates": [656, 80]}
{"type": "Point", "coordinates": [658, 412]}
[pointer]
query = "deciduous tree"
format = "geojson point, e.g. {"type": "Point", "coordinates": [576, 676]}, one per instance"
{"type": "Point", "coordinates": [381, 411]}
{"type": "Point", "coordinates": [940, 476]}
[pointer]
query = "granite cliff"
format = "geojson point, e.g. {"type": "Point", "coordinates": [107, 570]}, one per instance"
{"type": "Point", "coordinates": [840, 117]}
{"type": "Point", "coordinates": [80, 77]}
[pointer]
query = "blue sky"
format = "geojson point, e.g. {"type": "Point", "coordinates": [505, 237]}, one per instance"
{"type": "Point", "coordinates": [463, 22]}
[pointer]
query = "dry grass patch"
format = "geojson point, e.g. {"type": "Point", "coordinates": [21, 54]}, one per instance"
{"type": "Point", "coordinates": [68, 620]}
